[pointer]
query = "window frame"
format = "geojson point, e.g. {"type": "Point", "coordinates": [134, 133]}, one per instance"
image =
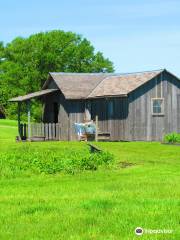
{"type": "Point", "coordinates": [162, 107]}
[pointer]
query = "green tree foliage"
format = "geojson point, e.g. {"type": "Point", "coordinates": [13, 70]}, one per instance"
{"type": "Point", "coordinates": [25, 63]}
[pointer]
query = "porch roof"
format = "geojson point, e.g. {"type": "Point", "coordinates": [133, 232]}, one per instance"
{"type": "Point", "coordinates": [33, 95]}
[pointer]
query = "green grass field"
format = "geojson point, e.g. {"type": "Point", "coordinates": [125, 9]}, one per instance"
{"type": "Point", "coordinates": [141, 188]}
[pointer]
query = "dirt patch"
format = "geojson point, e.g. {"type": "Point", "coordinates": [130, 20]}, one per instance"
{"type": "Point", "coordinates": [126, 164]}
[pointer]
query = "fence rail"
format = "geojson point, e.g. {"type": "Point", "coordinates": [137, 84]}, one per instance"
{"type": "Point", "coordinates": [41, 131]}
{"type": "Point", "coordinates": [48, 131]}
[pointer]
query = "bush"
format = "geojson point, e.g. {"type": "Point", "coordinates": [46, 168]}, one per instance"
{"type": "Point", "coordinates": [172, 138]}
{"type": "Point", "coordinates": [30, 160]}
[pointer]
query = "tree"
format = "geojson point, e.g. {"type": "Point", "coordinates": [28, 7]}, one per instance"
{"type": "Point", "coordinates": [26, 62]}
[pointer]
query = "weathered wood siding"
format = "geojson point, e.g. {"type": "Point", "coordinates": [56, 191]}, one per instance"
{"type": "Point", "coordinates": [70, 111]}
{"type": "Point", "coordinates": [141, 124]}
{"type": "Point", "coordinates": [76, 109]}
{"type": "Point", "coordinates": [115, 123]}
{"type": "Point", "coordinates": [131, 118]}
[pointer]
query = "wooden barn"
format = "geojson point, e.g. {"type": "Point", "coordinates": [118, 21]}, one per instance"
{"type": "Point", "coordinates": [141, 106]}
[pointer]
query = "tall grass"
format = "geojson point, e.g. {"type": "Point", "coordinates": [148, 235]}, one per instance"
{"type": "Point", "coordinates": [26, 159]}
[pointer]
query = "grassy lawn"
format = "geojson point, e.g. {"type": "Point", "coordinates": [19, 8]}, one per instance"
{"type": "Point", "coordinates": [140, 189]}
{"type": "Point", "coordinates": [8, 130]}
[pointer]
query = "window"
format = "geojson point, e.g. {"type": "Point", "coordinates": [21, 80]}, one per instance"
{"type": "Point", "coordinates": [157, 106]}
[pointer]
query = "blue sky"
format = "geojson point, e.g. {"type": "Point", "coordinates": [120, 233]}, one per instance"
{"type": "Point", "coordinates": [136, 35]}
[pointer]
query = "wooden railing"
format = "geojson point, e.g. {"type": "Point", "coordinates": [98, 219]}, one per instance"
{"type": "Point", "coordinates": [40, 131]}
{"type": "Point", "coordinates": [48, 131]}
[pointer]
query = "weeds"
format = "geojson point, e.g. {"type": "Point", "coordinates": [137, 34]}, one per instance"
{"type": "Point", "coordinates": [172, 138]}
{"type": "Point", "coordinates": [51, 162]}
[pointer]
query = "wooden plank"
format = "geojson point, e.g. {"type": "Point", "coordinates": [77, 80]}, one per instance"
{"type": "Point", "coordinates": [50, 131]}
{"type": "Point", "coordinates": [96, 133]}
{"type": "Point", "coordinates": [29, 118]}
{"type": "Point", "coordinates": [31, 129]}
{"type": "Point", "coordinates": [46, 132]}
{"type": "Point", "coordinates": [57, 131]}
{"type": "Point", "coordinates": [42, 130]}
{"type": "Point", "coordinates": [19, 118]}
{"type": "Point", "coordinates": [53, 131]}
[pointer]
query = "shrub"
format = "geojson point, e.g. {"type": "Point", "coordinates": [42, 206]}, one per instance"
{"type": "Point", "coordinates": [26, 159]}
{"type": "Point", "coordinates": [172, 138]}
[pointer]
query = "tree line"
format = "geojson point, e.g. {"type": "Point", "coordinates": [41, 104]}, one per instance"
{"type": "Point", "coordinates": [25, 63]}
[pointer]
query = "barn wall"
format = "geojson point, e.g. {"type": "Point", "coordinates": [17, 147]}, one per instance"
{"type": "Point", "coordinates": [131, 120]}
{"type": "Point", "coordinates": [63, 117]}
{"type": "Point", "coordinates": [76, 110]}
{"type": "Point", "coordinates": [141, 124]}
{"type": "Point", "coordinates": [51, 84]}
{"type": "Point", "coordinates": [48, 100]}
{"type": "Point", "coordinates": [70, 111]}
{"type": "Point", "coordinates": [115, 123]}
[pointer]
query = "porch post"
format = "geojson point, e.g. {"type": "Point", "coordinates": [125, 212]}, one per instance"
{"type": "Point", "coordinates": [19, 119]}
{"type": "Point", "coordinates": [29, 118]}
{"type": "Point", "coordinates": [96, 133]}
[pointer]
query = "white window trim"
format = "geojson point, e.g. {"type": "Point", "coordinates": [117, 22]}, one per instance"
{"type": "Point", "coordinates": [157, 114]}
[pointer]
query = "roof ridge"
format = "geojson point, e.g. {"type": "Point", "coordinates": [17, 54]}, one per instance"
{"type": "Point", "coordinates": [107, 74]}
{"type": "Point", "coordinates": [97, 86]}
{"type": "Point", "coordinates": [128, 74]}
{"type": "Point", "coordinates": [75, 73]}
{"type": "Point", "coordinates": [150, 71]}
